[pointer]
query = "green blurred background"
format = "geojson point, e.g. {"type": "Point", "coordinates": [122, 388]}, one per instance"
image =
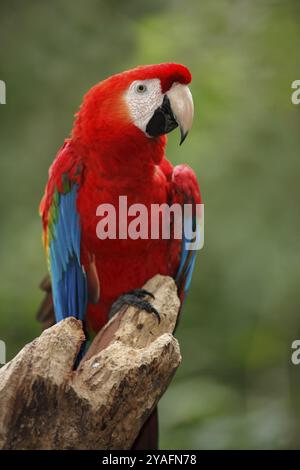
{"type": "Point", "coordinates": [236, 387]}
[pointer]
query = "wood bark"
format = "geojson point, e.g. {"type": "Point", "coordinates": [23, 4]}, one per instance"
{"type": "Point", "coordinates": [46, 404]}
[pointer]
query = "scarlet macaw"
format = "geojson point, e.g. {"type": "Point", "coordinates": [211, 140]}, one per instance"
{"type": "Point", "coordinates": [117, 147]}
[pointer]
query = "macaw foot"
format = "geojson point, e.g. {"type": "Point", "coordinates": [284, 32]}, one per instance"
{"type": "Point", "coordinates": [136, 298]}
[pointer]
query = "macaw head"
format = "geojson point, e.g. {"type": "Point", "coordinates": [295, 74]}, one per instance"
{"type": "Point", "coordinates": [139, 105]}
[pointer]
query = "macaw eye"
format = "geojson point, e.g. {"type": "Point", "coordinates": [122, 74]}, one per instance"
{"type": "Point", "coordinates": [141, 88]}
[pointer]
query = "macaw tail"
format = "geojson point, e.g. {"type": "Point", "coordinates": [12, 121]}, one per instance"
{"type": "Point", "coordinates": [148, 435]}
{"type": "Point", "coordinates": [46, 316]}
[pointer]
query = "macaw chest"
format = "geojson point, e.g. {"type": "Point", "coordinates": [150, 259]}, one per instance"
{"type": "Point", "coordinates": [121, 220]}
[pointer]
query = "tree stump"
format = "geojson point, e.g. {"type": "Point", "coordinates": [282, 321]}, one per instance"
{"type": "Point", "coordinates": [46, 404]}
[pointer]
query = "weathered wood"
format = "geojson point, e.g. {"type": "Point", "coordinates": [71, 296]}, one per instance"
{"type": "Point", "coordinates": [45, 404]}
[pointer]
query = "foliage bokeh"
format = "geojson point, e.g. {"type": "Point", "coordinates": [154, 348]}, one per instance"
{"type": "Point", "coordinates": [236, 387]}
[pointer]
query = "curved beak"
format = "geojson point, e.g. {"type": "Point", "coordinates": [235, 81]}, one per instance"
{"type": "Point", "coordinates": [181, 102]}
{"type": "Point", "coordinates": [177, 109]}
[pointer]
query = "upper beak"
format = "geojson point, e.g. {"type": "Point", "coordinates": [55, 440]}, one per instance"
{"type": "Point", "coordinates": [181, 102]}
{"type": "Point", "coordinates": [177, 109]}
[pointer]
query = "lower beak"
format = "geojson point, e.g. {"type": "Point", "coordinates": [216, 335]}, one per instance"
{"type": "Point", "coordinates": [176, 110]}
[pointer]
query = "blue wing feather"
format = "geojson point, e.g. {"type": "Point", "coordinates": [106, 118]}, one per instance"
{"type": "Point", "coordinates": [188, 257]}
{"type": "Point", "coordinates": [185, 272]}
{"type": "Point", "coordinates": [69, 283]}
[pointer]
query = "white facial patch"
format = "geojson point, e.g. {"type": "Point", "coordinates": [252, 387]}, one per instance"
{"type": "Point", "coordinates": [143, 97]}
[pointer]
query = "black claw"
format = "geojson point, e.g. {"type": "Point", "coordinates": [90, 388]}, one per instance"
{"type": "Point", "coordinates": [140, 293]}
{"type": "Point", "coordinates": [136, 299]}
{"type": "Point", "coordinates": [144, 305]}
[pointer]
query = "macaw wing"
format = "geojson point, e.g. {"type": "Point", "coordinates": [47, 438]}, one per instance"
{"type": "Point", "coordinates": [187, 264]}
{"type": "Point", "coordinates": [62, 238]}
{"type": "Point", "coordinates": [185, 191]}
{"type": "Point", "coordinates": [69, 284]}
